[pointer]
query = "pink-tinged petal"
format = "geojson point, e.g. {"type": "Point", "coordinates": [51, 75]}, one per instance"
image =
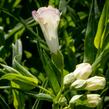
{"type": "Point", "coordinates": [48, 18]}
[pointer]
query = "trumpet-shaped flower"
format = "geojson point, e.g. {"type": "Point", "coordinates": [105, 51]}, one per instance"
{"type": "Point", "coordinates": [48, 18]}
{"type": "Point", "coordinates": [95, 83]}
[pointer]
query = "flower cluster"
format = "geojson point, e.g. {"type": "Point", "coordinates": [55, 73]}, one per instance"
{"type": "Point", "coordinates": [80, 80]}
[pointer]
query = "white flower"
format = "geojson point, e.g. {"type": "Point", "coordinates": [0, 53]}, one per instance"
{"type": "Point", "coordinates": [48, 18]}
{"type": "Point", "coordinates": [68, 79]}
{"type": "Point", "coordinates": [93, 100]}
{"type": "Point", "coordinates": [95, 83]}
{"type": "Point", "coordinates": [83, 71]}
{"type": "Point", "coordinates": [78, 84]}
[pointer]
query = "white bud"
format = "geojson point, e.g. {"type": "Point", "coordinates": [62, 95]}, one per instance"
{"type": "Point", "coordinates": [68, 79]}
{"type": "Point", "coordinates": [48, 18]}
{"type": "Point", "coordinates": [75, 99]}
{"type": "Point", "coordinates": [83, 71]}
{"type": "Point", "coordinates": [95, 83]}
{"type": "Point", "coordinates": [78, 84]}
{"type": "Point", "coordinates": [90, 100]}
{"type": "Point", "coordinates": [93, 100]}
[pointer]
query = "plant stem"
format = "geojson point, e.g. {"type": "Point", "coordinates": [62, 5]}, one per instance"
{"type": "Point", "coordinates": [45, 90]}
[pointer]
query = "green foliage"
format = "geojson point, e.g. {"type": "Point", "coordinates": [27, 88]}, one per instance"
{"type": "Point", "coordinates": [102, 31]}
{"type": "Point", "coordinates": [89, 49]}
{"type": "Point", "coordinates": [3, 103]}
{"type": "Point", "coordinates": [50, 72]}
{"type": "Point", "coordinates": [30, 76]}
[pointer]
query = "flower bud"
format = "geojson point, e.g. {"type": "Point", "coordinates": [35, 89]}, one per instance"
{"type": "Point", "coordinates": [83, 71]}
{"type": "Point", "coordinates": [75, 99]}
{"type": "Point", "coordinates": [78, 84]}
{"type": "Point", "coordinates": [95, 83]}
{"type": "Point", "coordinates": [68, 107]}
{"type": "Point", "coordinates": [48, 18]}
{"type": "Point", "coordinates": [68, 79]}
{"type": "Point", "coordinates": [62, 100]}
{"type": "Point", "coordinates": [93, 100]}
{"type": "Point", "coordinates": [89, 100]}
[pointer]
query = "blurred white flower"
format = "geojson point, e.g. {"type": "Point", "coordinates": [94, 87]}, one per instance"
{"type": "Point", "coordinates": [89, 100]}
{"type": "Point", "coordinates": [68, 79]}
{"type": "Point", "coordinates": [48, 18]}
{"type": "Point", "coordinates": [75, 99]}
{"type": "Point", "coordinates": [95, 83]}
{"type": "Point", "coordinates": [83, 71]}
{"type": "Point", "coordinates": [93, 100]}
{"type": "Point", "coordinates": [78, 84]}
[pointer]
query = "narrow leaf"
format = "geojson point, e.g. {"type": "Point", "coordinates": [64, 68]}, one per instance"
{"type": "Point", "coordinates": [18, 97]}
{"type": "Point", "coordinates": [50, 72]}
{"type": "Point", "coordinates": [21, 69]}
{"type": "Point", "coordinates": [3, 103]}
{"type": "Point", "coordinates": [58, 60]}
{"type": "Point", "coordinates": [17, 50]}
{"type": "Point", "coordinates": [8, 69]}
{"type": "Point", "coordinates": [89, 49]}
{"type": "Point", "coordinates": [100, 34]}
{"type": "Point", "coordinates": [20, 79]}
{"type": "Point", "coordinates": [42, 96]}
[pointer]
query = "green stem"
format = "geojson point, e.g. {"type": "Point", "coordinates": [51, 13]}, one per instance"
{"type": "Point", "coordinates": [55, 106]}
{"type": "Point", "coordinates": [98, 59]}
{"type": "Point", "coordinates": [58, 95]}
{"type": "Point", "coordinates": [42, 88]}
{"type": "Point", "coordinates": [5, 87]}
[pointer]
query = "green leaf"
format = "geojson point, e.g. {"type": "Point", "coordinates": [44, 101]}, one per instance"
{"type": "Point", "coordinates": [102, 25]}
{"type": "Point", "coordinates": [6, 11]}
{"type": "Point", "coordinates": [14, 30]}
{"type": "Point", "coordinates": [18, 97]}
{"type": "Point", "coordinates": [2, 61]}
{"type": "Point", "coordinates": [24, 82]}
{"type": "Point", "coordinates": [63, 6]}
{"type": "Point", "coordinates": [8, 69]}
{"type": "Point", "coordinates": [49, 71]}
{"type": "Point", "coordinates": [43, 96]}
{"type": "Point", "coordinates": [17, 50]}
{"type": "Point", "coordinates": [89, 49]}
{"type": "Point", "coordinates": [58, 60]}
{"type": "Point", "coordinates": [19, 33]}
{"type": "Point", "coordinates": [3, 104]}
{"type": "Point", "coordinates": [53, 2]}
{"type": "Point", "coordinates": [21, 69]}
{"type": "Point", "coordinates": [103, 56]}
{"type": "Point", "coordinates": [16, 3]}
{"type": "Point", "coordinates": [82, 15]}
{"type": "Point", "coordinates": [2, 38]}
